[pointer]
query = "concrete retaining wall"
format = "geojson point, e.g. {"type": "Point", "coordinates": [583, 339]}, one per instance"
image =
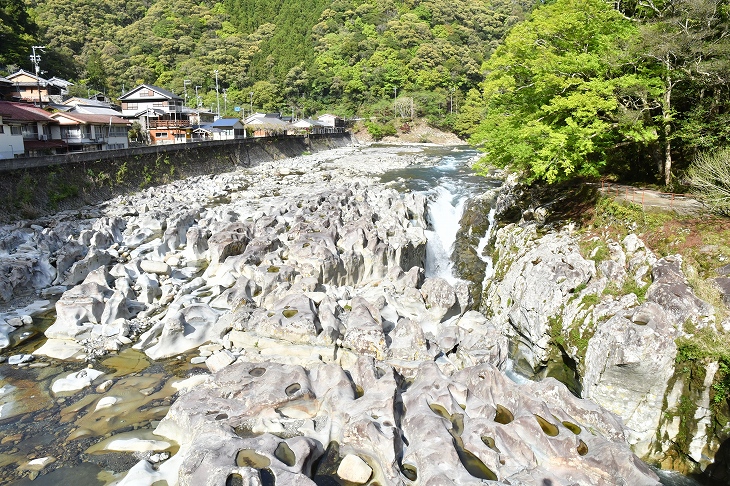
{"type": "Point", "coordinates": [44, 185]}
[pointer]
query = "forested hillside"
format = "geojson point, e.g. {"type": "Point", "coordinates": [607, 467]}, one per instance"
{"type": "Point", "coordinates": [350, 56]}
{"type": "Point", "coordinates": [559, 88]}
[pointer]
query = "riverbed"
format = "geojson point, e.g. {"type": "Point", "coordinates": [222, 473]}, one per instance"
{"type": "Point", "coordinates": [75, 428]}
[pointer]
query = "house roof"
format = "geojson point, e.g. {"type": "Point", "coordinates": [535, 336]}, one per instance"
{"type": "Point", "coordinates": [5, 81]}
{"type": "Point", "coordinates": [23, 112]}
{"type": "Point", "coordinates": [149, 112]}
{"type": "Point", "coordinates": [61, 83]}
{"type": "Point", "coordinates": [162, 91]}
{"type": "Point", "coordinates": [226, 123]}
{"type": "Point", "coordinates": [84, 118]}
{"type": "Point", "coordinates": [76, 101]}
{"type": "Point", "coordinates": [36, 79]}
{"type": "Point", "coordinates": [308, 122]}
{"type": "Point", "coordinates": [269, 120]}
{"type": "Point", "coordinates": [94, 110]}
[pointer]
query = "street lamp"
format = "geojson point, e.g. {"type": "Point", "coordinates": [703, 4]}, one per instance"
{"type": "Point", "coordinates": [217, 100]}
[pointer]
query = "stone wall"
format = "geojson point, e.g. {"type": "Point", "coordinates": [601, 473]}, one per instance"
{"type": "Point", "coordinates": [44, 185]}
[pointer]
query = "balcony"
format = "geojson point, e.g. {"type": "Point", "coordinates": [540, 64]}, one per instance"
{"type": "Point", "coordinates": [169, 123]}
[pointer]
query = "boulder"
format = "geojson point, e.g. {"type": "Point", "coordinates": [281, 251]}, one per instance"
{"type": "Point", "coordinates": [187, 329]}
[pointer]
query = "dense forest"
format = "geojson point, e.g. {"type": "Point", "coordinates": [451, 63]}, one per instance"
{"type": "Point", "coordinates": [562, 88]}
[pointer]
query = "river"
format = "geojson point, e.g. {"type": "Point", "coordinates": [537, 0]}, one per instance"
{"type": "Point", "coordinates": [73, 427]}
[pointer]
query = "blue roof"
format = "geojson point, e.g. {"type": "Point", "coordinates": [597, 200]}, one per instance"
{"type": "Point", "coordinates": [225, 122]}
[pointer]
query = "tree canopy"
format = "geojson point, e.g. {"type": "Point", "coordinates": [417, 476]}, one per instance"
{"type": "Point", "coordinates": [558, 94]}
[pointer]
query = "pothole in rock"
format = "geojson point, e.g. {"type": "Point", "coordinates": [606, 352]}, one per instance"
{"type": "Point", "coordinates": [292, 389]}
{"type": "Point", "coordinates": [489, 442]}
{"type": "Point", "coordinates": [503, 416]}
{"type": "Point", "coordinates": [289, 313]}
{"type": "Point", "coordinates": [409, 471]}
{"type": "Point", "coordinates": [251, 458]}
{"type": "Point", "coordinates": [284, 453]}
{"type": "Point", "coordinates": [469, 460]}
{"type": "Point", "coordinates": [572, 427]}
{"type": "Point", "coordinates": [256, 372]}
{"type": "Point", "coordinates": [234, 480]}
{"type": "Point", "coordinates": [547, 427]}
{"type": "Point", "coordinates": [582, 448]}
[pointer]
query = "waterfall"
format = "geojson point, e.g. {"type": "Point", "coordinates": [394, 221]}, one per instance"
{"type": "Point", "coordinates": [444, 213]}
{"type": "Point", "coordinates": [487, 259]}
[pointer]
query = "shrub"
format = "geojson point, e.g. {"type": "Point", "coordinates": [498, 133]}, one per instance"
{"type": "Point", "coordinates": [709, 176]}
{"type": "Point", "coordinates": [380, 130]}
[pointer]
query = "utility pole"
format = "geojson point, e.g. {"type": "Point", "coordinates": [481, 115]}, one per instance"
{"type": "Point", "coordinates": [36, 60]}
{"type": "Point", "coordinates": [225, 101]}
{"type": "Point", "coordinates": [186, 82]}
{"type": "Point", "coordinates": [217, 99]}
{"type": "Point", "coordinates": [251, 102]}
{"type": "Point", "coordinates": [197, 97]}
{"type": "Point", "coordinates": [395, 96]}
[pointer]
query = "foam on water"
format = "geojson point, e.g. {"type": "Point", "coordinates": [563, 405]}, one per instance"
{"type": "Point", "coordinates": [444, 213]}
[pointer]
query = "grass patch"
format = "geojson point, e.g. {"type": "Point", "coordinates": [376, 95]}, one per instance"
{"type": "Point", "coordinates": [629, 286]}
{"type": "Point", "coordinates": [703, 347]}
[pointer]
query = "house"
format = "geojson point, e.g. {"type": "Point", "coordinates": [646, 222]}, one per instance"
{"type": "Point", "coordinates": [333, 123]}
{"type": "Point", "coordinates": [26, 130]}
{"type": "Point", "coordinates": [29, 87]}
{"type": "Point", "coordinates": [159, 111]}
{"type": "Point", "coordinates": [86, 132]}
{"type": "Point", "coordinates": [267, 124]}
{"type": "Point", "coordinates": [228, 128]}
{"type": "Point", "coordinates": [198, 117]}
{"type": "Point", "coordinates": [307, 125]}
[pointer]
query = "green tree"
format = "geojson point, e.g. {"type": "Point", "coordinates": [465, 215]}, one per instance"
{"type": "Point", "coordinates": [557, 97]}
{"type": "Point", "coordinates": [17, 32]}
{"type": "Point", "coordinates": [686, 43]}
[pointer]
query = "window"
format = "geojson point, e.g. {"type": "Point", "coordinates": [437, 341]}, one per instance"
{"type": "Point", "coordinates": [30, 131]}
{"type": "Point", "coordinates": [146, 92]}
{"type": "Point", "coordinates": [159, 104]}
{"type": "Point", "coordinates": [2, 128]}
{"type": "Point", "coordinates": [16, 130]}
{"type": "Point", "coordinates": [130, 106]}
{"type": "Point", "coordinates": [117, 131]}
{"type": "Point", "coordinates": [160, 134]}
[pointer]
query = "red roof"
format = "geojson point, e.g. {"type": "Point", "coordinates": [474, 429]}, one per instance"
{"type": "Point", "coordinates": [23, 112]}
{"type": "Point", "coordinates": [97, 119]}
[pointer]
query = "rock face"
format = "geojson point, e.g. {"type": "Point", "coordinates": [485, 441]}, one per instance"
{"type": "Point", "coordinates": [532, 286]}
{"type": "Point", "coordinates": [476, 424]}
{"type": "Point", "coordinates": [582, 319]}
